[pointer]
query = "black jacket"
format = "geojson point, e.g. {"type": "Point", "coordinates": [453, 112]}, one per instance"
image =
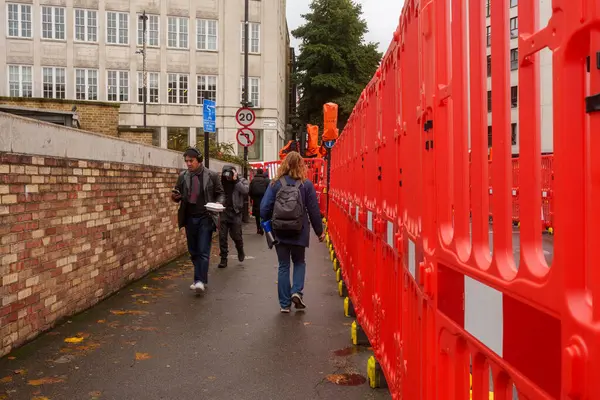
{"type": "Point", "coordinates": [213, 192]}
{"type": "Point", "coordinates": [258, 188]}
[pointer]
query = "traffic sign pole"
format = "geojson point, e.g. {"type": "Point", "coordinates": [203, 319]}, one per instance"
{"type": "Point", "coordinates": [246, 212]}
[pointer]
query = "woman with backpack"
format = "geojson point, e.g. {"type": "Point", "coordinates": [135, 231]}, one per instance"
{"type": "Point", "coordinates": [258, 187]}
{"type": "Point", "coordinates": [290, 202]}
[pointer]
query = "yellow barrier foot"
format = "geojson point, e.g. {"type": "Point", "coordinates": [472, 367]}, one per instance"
{"type": "Point", "coordinates": [349, 308]}
{"type": "Point", "coordinates": [338, 275]}
{"type": "Point", "coordinates": [375, 374]}
{"type": "Point", "coordinates": [342, 289]}
{"type": "Point", "coordinates": [336, 264]}
{"type": "Point", "coordinates": [359, 337]}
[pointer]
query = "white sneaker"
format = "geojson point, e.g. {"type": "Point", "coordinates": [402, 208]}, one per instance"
{"type": "Point", "coordinates": [193, 286]}
{"type": "Point", "coordinates": [199, 287]}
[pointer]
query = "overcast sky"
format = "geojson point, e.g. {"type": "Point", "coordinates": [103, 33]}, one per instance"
{"type": "Point", "coordinates": [381, 15]}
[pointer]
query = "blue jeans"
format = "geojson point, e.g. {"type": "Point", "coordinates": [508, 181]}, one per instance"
{"type": "Point", "coordinates": [199, 239]}
{"type": "Point", "coordinates": [284, 289]}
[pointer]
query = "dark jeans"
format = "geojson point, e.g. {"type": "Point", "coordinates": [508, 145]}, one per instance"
{"type": "Point", "coordinates": [259, 227]}
{"type": "Point", "coordinates": [199, 239]}
{"type": "Point", "coordinates": [284, 289]}
{"type": "Point", "coordinates": [234, 228]}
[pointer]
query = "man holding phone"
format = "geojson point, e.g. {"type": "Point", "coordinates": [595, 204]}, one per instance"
{"type": "Point", "coordinates": [196, 187]}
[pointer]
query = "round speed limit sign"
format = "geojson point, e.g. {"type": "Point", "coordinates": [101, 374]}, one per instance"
{"type": "Point", "coordinates": [245, 116]}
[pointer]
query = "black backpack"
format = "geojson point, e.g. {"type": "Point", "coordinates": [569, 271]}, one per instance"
{"type": "Point", "coordinates": [258, 186]}
{"type": "Point", "coordinates": [288, 212]}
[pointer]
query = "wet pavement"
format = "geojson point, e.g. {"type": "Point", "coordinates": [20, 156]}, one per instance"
{"type": "Point", "coordinates": [156, 339]}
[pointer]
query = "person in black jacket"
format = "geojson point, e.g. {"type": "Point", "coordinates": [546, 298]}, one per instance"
{"type": "Point", "coordinates": [258, 187]}
{"type": "Point", "coordinates": [194, 188]}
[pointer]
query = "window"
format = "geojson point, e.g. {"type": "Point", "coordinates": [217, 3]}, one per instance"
{"type": "Point", "coordinates": [513, 133]}
{"type": "Point", "coordinates": [117, 28]}
{"type": "Point", "coordinates": [86, 84]}
{"type": "Point", "coordinates": [178, 33]}
{"type": "Point", "coordinates": [254, 93]}
{"type": "Point", "coordinates": [178, 89]}
{"type": "Point", "coordinates": [206, 34]}
{"type": "Point", "coordinates": [489, 136]}
{"type": "Point", "coordinates": [207, 88]}
{"type": "Point", "coordinates": [19, 20]}
{"type": "Point", "coordinates": [118, 86]}
{"type": "Point", "coordinates": [254, 151]}
{"type": "Point", "coordinates": [489, 65]}
{"type": "Point", "coordinates": [514, 59]}
{"type": "Point", "coordinates": [514, 3]}
{"type": "Point", "coordinates": [86, 25]}
{"type": "Point", "coordinates": [514, 27]}
{"type": "Point", "coordinates": [152, 31]}
{"type": "Point", "coordinates": [489, 100]}
{"type": "Point", "coordinates": [20, 81]}
{"type": "Point", "coordinates": [254, 29]}
{"type": "Point", "coordinates": [53, 23]}
{"type": "Point", "coordinates": [514, 96]}
{"type": "Point", "coordinates": [177, 138]}
{"type": "Point", "coordinates": [487, 8]}
{"type": "Point", "coordinates": [152, 87]}
{"type": "Point", "coordinates": [488, 31]}
{"type": "Point", "coordinates": [54, 83]}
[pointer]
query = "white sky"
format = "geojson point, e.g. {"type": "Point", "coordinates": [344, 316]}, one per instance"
{"type": "Point", "coordinates": [382, 18]}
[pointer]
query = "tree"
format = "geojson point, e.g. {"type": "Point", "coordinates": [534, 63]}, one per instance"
{"type": "Point", "coordinates": [334, 64]}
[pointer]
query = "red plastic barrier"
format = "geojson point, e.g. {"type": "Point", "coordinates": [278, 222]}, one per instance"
{"type": "Point", "coordinates": [411, 198]}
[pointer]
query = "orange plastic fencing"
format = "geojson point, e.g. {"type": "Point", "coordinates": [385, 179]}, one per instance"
{"type": "Point", "coordinates": [441, 293]}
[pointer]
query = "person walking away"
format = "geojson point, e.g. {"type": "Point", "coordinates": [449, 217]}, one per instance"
{"type": "Point", "coordinates": [290, 202]}
{"type": "Point", "coordinates": [258, 187]}
{"type": "Point", "coordinates": [235, 188]}
{"type": "Point", "coordinates": [194, 188]}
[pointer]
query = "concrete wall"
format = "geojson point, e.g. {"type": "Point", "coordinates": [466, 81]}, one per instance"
{"type": "Point", "coordinates": [81, 215]}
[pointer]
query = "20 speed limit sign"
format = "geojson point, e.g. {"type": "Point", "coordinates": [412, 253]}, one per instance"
{"type": "Point", "coordinates": [245, 116]}
{"type": "Point", "coordinates": [245, 137]}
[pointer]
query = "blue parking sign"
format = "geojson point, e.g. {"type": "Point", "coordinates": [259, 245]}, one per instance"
{"type": "Point", "coordinates": [209, 115]}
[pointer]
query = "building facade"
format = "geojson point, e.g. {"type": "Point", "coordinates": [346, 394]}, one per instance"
{"type": "Point", "coordinates": [92, 50]}
{"type": "Point", "coordinates": [545, 58]}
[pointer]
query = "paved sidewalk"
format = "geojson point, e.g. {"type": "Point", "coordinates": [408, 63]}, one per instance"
{"type": "Point", "coordinates": [157, 340]}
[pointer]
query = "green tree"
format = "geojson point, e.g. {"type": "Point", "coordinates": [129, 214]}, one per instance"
{"type": "Point", "coordinates": [335, 64]}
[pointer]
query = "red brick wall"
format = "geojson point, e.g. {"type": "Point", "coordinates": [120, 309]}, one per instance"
{"type": "Point", "coordinates": [73, 232]}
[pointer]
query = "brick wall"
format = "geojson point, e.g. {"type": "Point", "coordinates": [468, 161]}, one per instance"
{"type": "Point", "coordinates": [94, 116]}
{"type": "Point", "coordinates": [72, 232]}
{"type": "Point", "coordinates": [140, 135]}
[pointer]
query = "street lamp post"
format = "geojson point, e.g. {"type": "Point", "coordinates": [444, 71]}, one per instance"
{"type": "Point", "coordinates": [144, 18]}
{"type": "Point", "coordinates": [245, 102]}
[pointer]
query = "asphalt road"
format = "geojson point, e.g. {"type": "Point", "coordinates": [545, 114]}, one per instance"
{"type": "Point", "coordinates": [156, 339]}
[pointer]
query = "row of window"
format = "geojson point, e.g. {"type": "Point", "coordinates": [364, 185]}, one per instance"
{"type": "Point", "coordinates": [513, 3]}
{"type": "Point", "coordinates": [514, 61]}
{"type": "Point", "coordinates": [20, 83]}
{"type": "Point", "coordinates": [514, 98]}
{"type": "Point", "coordinates": [513, 134]}
{"type": "Point", "coordinates": [53, 25]}
{"type": "Point", "coordinates": [514, 30]}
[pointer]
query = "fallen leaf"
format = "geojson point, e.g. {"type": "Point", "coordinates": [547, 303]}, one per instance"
{"type": "Point", "coordinates": [45, 381]}
{"type": "Point", "coordinates": [335, 378]}
{"type": "Point", "coordinates": [129, 312]}
{"type": "Point", "coordinates": [95, 394]}
{"type": "Point", "coordinates": [131, 343]}
{"type": "Point", "coordinates": [212, 378]}
{"type": "Point", "coordinates": [141, 328]}
{"type": "Point", "coordinates": [3, 396]}
{"type": "Point", "coordinates": [6, 379]}
{"type": "Point", "coordinates": [306, 323]}
{"type": "Point", "coordinates": [12, 358]}
{"type": "Point", "coordinates": [74, 340]}
{"type": "Point", "coordinates": [143, 302]}
{"type": "Point", "coordinates": [20, 372]}
{"type": "Point", "coordinates": [142, 356]}
{"type": "Point", "coordinates": [40, 398]}
{"type": "Point", "coordinates": [101, 321]}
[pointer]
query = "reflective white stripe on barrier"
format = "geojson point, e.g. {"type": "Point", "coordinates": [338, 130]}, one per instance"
{"type": "Point", "coordinates": [484, 314]}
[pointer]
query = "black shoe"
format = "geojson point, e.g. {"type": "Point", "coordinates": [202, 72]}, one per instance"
{"type": "Point", "coordinates": [223, 263]}
{"type": "Point", "coordinates": [298, 302]}
{"type": "Point", "coordinates": [241, 255]}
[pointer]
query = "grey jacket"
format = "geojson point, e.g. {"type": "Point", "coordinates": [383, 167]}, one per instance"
{"type": "Point", "coordinates": [242, 187]}
{"type": "Point", "coordinates": [213, 192]}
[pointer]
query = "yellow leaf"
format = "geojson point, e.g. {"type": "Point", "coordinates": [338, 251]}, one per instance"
{"type": "Point", "coordinates": [212, 378]}
{"type": "Point", "coordinates": [12, 358]}
{"type": "Point", "coordinates": [306, 323]}
{"type": "Point", "coordinates": [143, 302]}
{"type": "Point", "coordinates": [142, 356]}
{"type": "Point", "coordinates": [101, 321]}
{"type": "Point", "coordinates": [74, 340]}
{"type": "Point", "coordinates": [20, 371]}
{"type": "Point", "coordinates": [40, 398]}
{"type": "Point", "coordinates": [128, 312]}
{"type": "Point", "coordinates": [6, 379]}
{"type": "Point", "coordinates": [45, 381]}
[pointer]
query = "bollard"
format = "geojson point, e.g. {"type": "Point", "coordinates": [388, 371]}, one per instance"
{"type": "Point", "coordinates": [359, 337]}
{"type": "Point", "coordinates": [342, 289]}
{"type": "Point", "coordinates": [375, 374]}
{"type": "Point", "coordinates": [349, 308]}
{"type": "Point", "coordinates": [338, 275]}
